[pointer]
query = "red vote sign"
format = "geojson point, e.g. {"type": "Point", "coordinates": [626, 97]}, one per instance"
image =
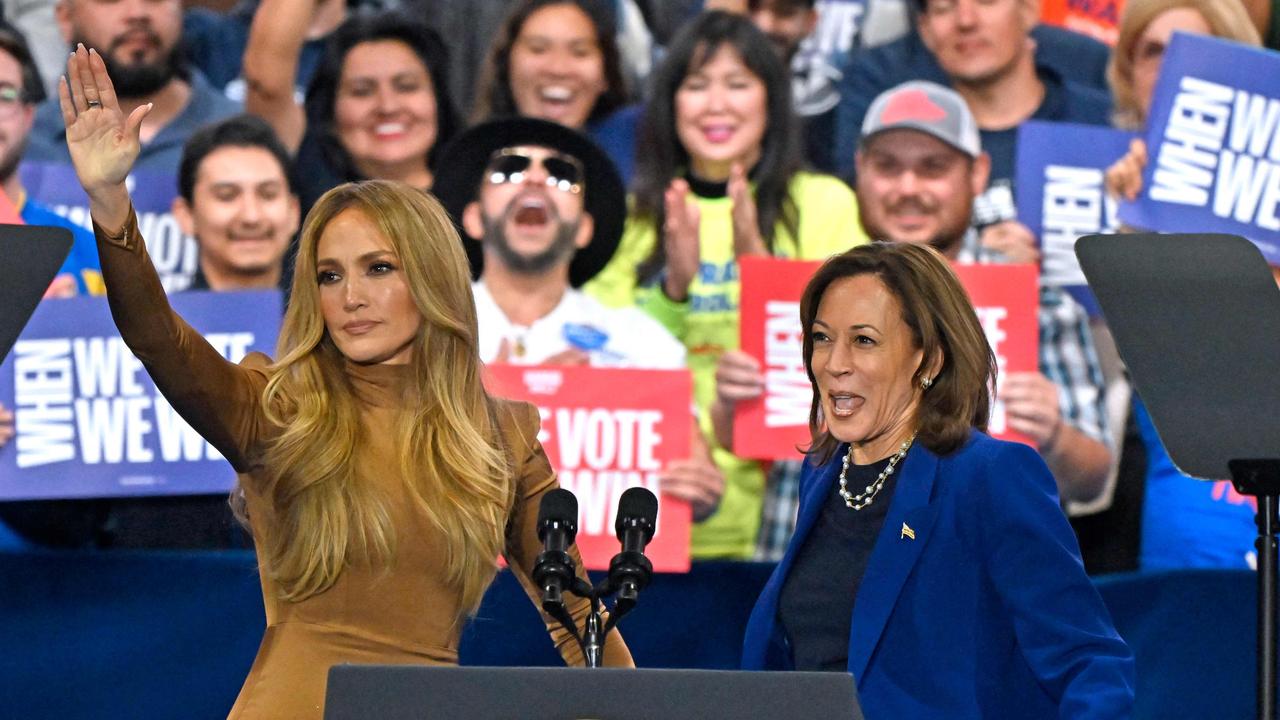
{"type": "Point", "coordinates": [1006, 298]}
{"type": "Point", "coordinates": [606, 430]}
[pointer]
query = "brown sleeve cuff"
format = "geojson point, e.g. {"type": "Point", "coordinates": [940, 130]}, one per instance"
{"type": "Point", "coordinates": [126, 237]}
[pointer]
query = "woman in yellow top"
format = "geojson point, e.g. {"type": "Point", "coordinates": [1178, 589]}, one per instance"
{"type": "Point", "coordinates": [718, 169]}
{"type": "Point", "coordinates": [379, 479]}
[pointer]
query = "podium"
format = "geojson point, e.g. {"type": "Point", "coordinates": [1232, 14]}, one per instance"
{"type": "Point", "coordinates": [395, 692]}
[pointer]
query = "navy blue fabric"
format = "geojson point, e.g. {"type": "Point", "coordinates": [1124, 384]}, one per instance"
{"type": "Point", "coordinates": [126, 634]}
{"type": "Point", "coordinates": [93, 635]}
{"type": "Point", "coordinates": [616, 135]}
{"type": "Point", "coordinates": [975, 603]}
{"type": "Point", "coordinates": [1075, 57]}
{"type": "Point", "coordinates": [1193, 633]}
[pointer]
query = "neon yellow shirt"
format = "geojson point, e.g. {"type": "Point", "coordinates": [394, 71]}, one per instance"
{"type": "Point", "coordinates": [707, 324]}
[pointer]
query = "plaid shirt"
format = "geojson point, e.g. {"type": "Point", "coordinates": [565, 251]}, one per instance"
{"type": "Point", "coordinates": [1067, 357]}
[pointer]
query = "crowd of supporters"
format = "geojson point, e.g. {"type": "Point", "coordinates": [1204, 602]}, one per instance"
{"type": "Point", "coordinates": [736, 128]}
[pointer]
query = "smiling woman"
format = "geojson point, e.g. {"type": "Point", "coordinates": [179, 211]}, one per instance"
{"type": "Point", "coordinates": [552, 59]}
{"type": "Point", "coordinates": [375, 107]}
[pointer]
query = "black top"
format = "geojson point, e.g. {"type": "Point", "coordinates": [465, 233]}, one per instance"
{"type": "Point", "coordinates": [816, 607]}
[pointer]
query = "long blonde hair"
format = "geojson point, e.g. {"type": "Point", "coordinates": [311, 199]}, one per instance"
{"type": "Point", "coordinates": [323, 516]}
{"type": "Point", "coordinates": [1226, 19]}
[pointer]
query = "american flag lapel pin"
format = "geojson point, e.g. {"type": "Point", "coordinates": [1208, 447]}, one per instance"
{"type": "Point", "coordinates": [907, 532]}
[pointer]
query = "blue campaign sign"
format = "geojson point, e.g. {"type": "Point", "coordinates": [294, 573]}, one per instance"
{"type": "Point", "coordinates": [90, 423]}
{"type": "Point", "coordinates": [1213, 141]}
{"type": "Point", "coordinates": [173, 252]}
{"type": "Point", "coordinates": [1061, 196]}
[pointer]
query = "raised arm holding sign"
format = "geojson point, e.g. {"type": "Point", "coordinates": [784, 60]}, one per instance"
{"type": "Point", "coordinates": [1214, 152]}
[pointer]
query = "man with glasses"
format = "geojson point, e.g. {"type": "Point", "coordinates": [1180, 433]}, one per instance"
{"type": "Point", "coordinates": [542, 209]}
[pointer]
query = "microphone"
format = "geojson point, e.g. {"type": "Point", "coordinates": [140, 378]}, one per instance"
{"type": "Point", "coordinates": [557, 526]}
{"type": "Point", "coordinates": [630, 570]}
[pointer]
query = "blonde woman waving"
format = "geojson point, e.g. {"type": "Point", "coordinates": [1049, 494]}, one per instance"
{"type": "Point", "coordinates": [379, 479]}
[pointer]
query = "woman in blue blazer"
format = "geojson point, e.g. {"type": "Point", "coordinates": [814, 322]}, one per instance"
{"type": "Point", "coordinates": [930, 560]}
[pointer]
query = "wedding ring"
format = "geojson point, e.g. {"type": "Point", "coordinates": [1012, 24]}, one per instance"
{"type": "Point", "coordinates": [93, 103]}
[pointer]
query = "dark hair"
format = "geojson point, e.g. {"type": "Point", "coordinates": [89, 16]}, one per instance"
{"type": "Point", "coordinates": [13, 42]}
{"type": "Point", "coordinates": [370, 27]}
{"type": "Point", "coordinates": [494, 98]}
{"type": "Point", "coordinates": [664, 156]}
{"type": "Point", "coordinates": [943, 323]}
{"type": "Point", "coordinates": [236, 131]}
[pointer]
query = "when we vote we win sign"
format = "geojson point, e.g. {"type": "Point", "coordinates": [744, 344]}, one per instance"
{"type": "Point", "coordinates": [1213, 144]}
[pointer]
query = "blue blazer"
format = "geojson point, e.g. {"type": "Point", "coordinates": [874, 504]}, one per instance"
{"type": "Point", "coordinates": [985, 613]}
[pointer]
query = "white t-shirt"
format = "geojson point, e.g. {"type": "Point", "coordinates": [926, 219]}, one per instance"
{"type": "Point", "coordinates": [612, 337]}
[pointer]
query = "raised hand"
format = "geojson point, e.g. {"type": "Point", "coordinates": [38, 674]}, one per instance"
{"type": "Point", "coordinates": [103, 143]}
{"type": "Point", "coordinates": [681, 240]}
{"type": "Point", "coordinates": [746, 230]}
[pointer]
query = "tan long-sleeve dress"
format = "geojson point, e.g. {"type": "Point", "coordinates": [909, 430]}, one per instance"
{"type": "Point", "coordinates": [404, 614]}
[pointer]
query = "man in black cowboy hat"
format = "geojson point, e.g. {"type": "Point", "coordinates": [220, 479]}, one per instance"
{"type": "Point", "coordinates": [542, 209]}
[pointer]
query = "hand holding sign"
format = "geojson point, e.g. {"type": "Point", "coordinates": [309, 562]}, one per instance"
{"type": "Point", "coordinates": [1032, 407]}
{"type": "Point", "coordinates": [103, 143]}
{"type": "Point", "coordinates": [680, 240]}
{"type": "Point", "coordinates": [739, 377]}
{"type": "Point", "coordinates": [695, 480]}
{"type": "Point", "coordinates": [1214, 159]}
{"type": "Point", "coordinates": [1013, 240]}
{"type": "Point", "coordinates": [1124, 178]}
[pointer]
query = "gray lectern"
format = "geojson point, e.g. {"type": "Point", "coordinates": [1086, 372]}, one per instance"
{"type": "Point", "coordinates": [391, 692]}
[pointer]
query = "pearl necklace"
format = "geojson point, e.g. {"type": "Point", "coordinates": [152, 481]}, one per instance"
{"type": "Point", "coordinates": [864, 498]}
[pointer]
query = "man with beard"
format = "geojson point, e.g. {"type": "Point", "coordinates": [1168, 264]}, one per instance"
{"type": "Point", "coordinates": [542, 209]}
{"type": "Point", "coordinates": [920, 166]}
{"type": "Point", "coordinates": [138, 41]}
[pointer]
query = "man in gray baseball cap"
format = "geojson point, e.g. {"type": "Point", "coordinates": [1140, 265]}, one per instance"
{"type": "Point", "coordinates": [920, 165]}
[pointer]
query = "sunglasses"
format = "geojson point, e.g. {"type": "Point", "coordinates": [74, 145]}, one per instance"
{"type": "Point", "coordinates": [510, 165]}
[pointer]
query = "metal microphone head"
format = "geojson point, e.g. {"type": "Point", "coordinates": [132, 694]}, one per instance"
{"type": "Point", "coordinates": [637, 508]}
{"type": "Point", "coordinates": [559, 508]}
